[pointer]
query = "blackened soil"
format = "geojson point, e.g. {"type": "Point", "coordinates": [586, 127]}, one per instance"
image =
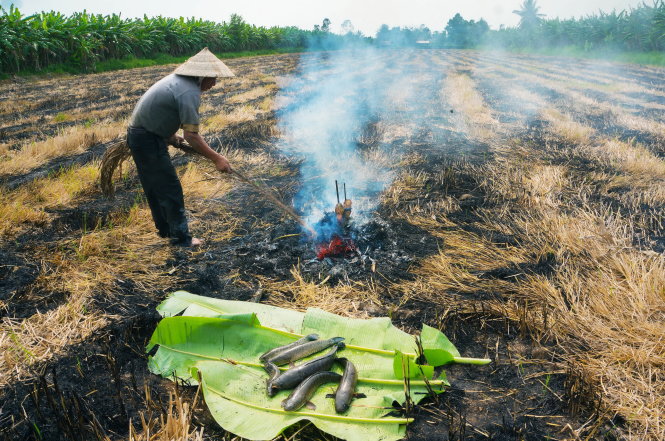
{"type": "Point", "coordinates": [17, 273]}
{"type": "Point", "coordinates": [95, 388]}
{"type": "Point", "coordinates": [21, 291]}
{"type": "Point", "coordinates": [517, 378]}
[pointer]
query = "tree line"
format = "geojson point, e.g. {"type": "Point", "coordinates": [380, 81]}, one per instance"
{"type": "Point", "coordinates": [82, 39]}
{"type": "Point", "coordinates": [458, 33]}
{"type": "Point", "coordinates": [639, 29]}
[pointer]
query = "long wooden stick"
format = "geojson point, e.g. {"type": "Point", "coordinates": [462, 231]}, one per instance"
{"type": "Point", "coordinates": [265, 191]}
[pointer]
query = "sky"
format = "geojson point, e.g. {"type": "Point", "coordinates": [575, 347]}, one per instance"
{"type": "Point", "coordinates": [366, 15]}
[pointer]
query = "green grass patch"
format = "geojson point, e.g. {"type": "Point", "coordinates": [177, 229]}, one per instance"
{"type": "Point", "coordinates": [61, 117]}
{"type": "Point", "coordinates": [651, 58]}
{"type": "Point", "coordinates": [53, 69]}
{"type": "Point", "coordinates": [161, 59]}
{"type": "Point", "coordinates": [648, 58]}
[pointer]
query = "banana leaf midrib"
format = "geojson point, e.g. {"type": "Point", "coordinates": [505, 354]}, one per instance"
{"type": "Point", "coordinates": [293, 334]}
{"type": "Point", "coordinates": [311, 414]}
{"type": "Point", "coordinates": [258, 365]}
{"type": "Point", "coordinates": [217, 343]}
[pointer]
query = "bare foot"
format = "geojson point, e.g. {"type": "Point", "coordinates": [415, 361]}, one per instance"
{"type": "Point", "coordinates": [196, 242]}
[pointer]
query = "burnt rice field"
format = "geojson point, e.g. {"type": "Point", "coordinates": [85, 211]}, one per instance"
{"type": "Point", "coordinates": [514, 202]}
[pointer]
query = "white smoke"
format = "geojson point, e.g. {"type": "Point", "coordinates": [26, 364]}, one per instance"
{"type": "Point", "coordinates": [349, 115]}
{"type": "Point", "coordinates": [330, 105]}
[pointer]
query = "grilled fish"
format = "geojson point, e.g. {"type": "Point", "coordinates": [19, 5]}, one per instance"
{"type": "Point", "coordinates": [296, 375]}
{"type": "Point", "coordinates": [301, 394]}
{"type": "Point", "coordinates": [273, 371]}
{"type": "Point", "coordinates": [302, 350]}
{"type": "Point", "coordinates": [275, 351]}
{"type": "Point", "coordinates": [347, 386]}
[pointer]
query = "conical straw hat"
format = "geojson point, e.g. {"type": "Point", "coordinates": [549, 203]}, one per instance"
{"type": "Point", "coordinates": [204, 64]}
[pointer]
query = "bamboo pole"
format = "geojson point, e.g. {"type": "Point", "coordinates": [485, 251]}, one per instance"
{"type": "Point", "coordinates": [265, 191]}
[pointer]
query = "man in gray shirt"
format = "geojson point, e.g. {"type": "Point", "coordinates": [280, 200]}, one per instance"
{"type": "Point", "coordinates": [170, 104]}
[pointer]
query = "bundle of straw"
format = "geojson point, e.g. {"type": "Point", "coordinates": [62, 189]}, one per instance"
{"type": "Point", "coordinates": [113, 158]}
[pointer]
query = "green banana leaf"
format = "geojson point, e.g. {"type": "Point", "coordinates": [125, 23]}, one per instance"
{"type": "Point", "coordinates": [224, 351]}
{"type": "Point", "coordinates": [188, 304]}
{"type": "Point", "coordinates": [218, 342]}
{"type": "Point", "coordinates": [438, 350]}
{"type": "Point", "coordinates": [237, 400]}
{"type": "Point", "coordinates": [240, 339]}
{"type": "Point", "coordinates": [406, 367]}
{"type": "Point", "coordinates": [356, 331]}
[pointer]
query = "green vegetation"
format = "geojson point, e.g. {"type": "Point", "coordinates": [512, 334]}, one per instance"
{"type": "Point", "coordinates": [636, 35]}
{"type": "Point", "coordinates": [61, 117]}
{"type": "Point", "coordinates": [53, 42]}
{"type": "Point", "coordinates": [640, 29]}
{"type": "Point", "coordinates": [219, 342]}
{"type": "Point", "coordinates": [649, 58]}
{"type": "Point", "coordinates": [50, 42]}
{"type": "Point", "coordinates": [529, 15]}
{"type": "Point", "coordinates": [461, 33]}
{"type": "Point", "coordinates": [458, 33]}
{"type": "Point", "coordinates": [131, 62]}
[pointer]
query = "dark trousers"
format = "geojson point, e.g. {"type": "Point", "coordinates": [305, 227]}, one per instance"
{"type": "Point", "coordinates": [160, 184]}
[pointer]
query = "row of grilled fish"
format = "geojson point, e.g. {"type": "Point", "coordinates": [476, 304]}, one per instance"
{"type": "Point", "coordinates": [306, 378]}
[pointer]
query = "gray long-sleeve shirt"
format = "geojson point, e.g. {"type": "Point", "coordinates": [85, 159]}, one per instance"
{"type": "Point", "coordinates": [171, 103]}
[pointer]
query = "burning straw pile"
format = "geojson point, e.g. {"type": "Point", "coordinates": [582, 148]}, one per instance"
{"type": "Point", "coordinates": [336, 241]}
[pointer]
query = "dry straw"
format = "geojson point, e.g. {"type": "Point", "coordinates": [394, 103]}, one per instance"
{"type": "Point", "coordinates": [113, 158]}
{"type": "Point", "coordinates": [174, 424]}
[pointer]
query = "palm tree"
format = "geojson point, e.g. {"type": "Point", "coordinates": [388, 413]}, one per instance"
{"type": "Point", "coordinates": [530, 17]}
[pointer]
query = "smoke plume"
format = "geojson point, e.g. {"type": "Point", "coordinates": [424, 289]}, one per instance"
{"type": "Point", "coordinates": [328, 111]}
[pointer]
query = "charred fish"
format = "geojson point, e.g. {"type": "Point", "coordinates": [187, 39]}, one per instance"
{"type": "Point", "coordinates": [302, 350]}
{"type": "Point", "coordinates": [273, 372]}
{"type": "Point", "coordinates": [347, 386]}
{"type": "Point", "coordinates": [296, 375]}
{"type": "Point", "coordinates": [275, 351]}
{"type": "Point", "coordinates": [301, 394]}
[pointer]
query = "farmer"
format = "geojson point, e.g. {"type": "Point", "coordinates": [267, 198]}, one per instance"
{"type": "Point", "coordinates": [170, 104]}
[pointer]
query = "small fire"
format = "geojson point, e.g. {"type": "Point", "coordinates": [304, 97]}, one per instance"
{"type": "Point", "coordinates": [338, 247]}
{"type": "Point", "coordinates": [339, 222]}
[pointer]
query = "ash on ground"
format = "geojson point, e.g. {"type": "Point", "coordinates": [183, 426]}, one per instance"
{"type": "Point", "coordinates": [379, 250]}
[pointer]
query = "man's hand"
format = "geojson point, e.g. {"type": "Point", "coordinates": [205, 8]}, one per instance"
{"type": "Point", "coordinates": [175, 140]}
{"type": "Point", "coordinates": [222, 164]}
{"type": "Point", "coordinates": [198, 143]}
